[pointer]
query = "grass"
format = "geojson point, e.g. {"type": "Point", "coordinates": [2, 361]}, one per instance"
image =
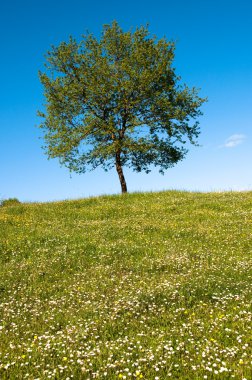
{"type": "Point", "coordinates": [141, 286]}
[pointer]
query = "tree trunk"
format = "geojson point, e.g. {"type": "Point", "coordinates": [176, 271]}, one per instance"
{"type": "Point", "coordinates": [120, 173]}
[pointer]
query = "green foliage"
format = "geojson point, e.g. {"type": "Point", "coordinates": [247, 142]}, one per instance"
{"type": "Point", "coordinates": [142, 286]}
{"type": "Point", "coordinates": [118, 102]}
{"type": "Point", "coordinates": [10, 202]}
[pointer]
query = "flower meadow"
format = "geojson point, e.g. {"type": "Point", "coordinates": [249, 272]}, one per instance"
{"type": "Point", "coordinates": [140, 286]}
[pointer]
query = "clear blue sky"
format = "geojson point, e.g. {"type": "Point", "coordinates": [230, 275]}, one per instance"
{"type": "Point", "coordinates": [214, 40]}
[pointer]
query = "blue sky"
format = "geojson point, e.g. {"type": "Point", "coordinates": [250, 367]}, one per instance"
{"type": "Point", "coordinates": [213, 52]}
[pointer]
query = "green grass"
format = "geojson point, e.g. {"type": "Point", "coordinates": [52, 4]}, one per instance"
{"type": "Point", "coordinates": [141, 286]}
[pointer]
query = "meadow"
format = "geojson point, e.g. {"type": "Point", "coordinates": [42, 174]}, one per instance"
{"type": "Point", "coordinates": [147, 286]}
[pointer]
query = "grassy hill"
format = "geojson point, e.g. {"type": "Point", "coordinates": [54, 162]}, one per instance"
{"type": "Point", "coordinates": [142, 286]}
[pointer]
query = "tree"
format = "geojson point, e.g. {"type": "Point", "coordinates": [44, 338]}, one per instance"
{"type": "Point", "coordinates": [117, 102]}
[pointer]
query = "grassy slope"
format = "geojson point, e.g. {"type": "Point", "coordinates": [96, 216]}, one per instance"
{"type": "Point", "coordinates": [150, 286]}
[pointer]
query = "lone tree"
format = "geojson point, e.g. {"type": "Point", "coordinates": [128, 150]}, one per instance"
{"type": "Point", "coordinates": [117, 102]}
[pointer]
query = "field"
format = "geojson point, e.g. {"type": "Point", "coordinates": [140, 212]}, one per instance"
{"type": "Point", "coordinates": [142, 286]}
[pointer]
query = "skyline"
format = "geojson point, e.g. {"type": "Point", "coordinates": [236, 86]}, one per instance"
{"type": "Point", "coordinates": [212, 52]}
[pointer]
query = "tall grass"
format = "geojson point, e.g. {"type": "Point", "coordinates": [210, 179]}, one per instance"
{"type": "Point", "coordinates": [141, 286]}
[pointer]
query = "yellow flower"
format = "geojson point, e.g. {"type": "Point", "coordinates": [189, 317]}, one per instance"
{"type": "Point", "coordinates": [65, 359]}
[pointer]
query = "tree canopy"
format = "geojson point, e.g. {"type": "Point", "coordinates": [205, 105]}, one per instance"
{"type": "Point", "coordinates": [116, 101]}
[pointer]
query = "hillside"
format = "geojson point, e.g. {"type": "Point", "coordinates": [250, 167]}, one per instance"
{"type": "Point", "coordinates": [152, 286]}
